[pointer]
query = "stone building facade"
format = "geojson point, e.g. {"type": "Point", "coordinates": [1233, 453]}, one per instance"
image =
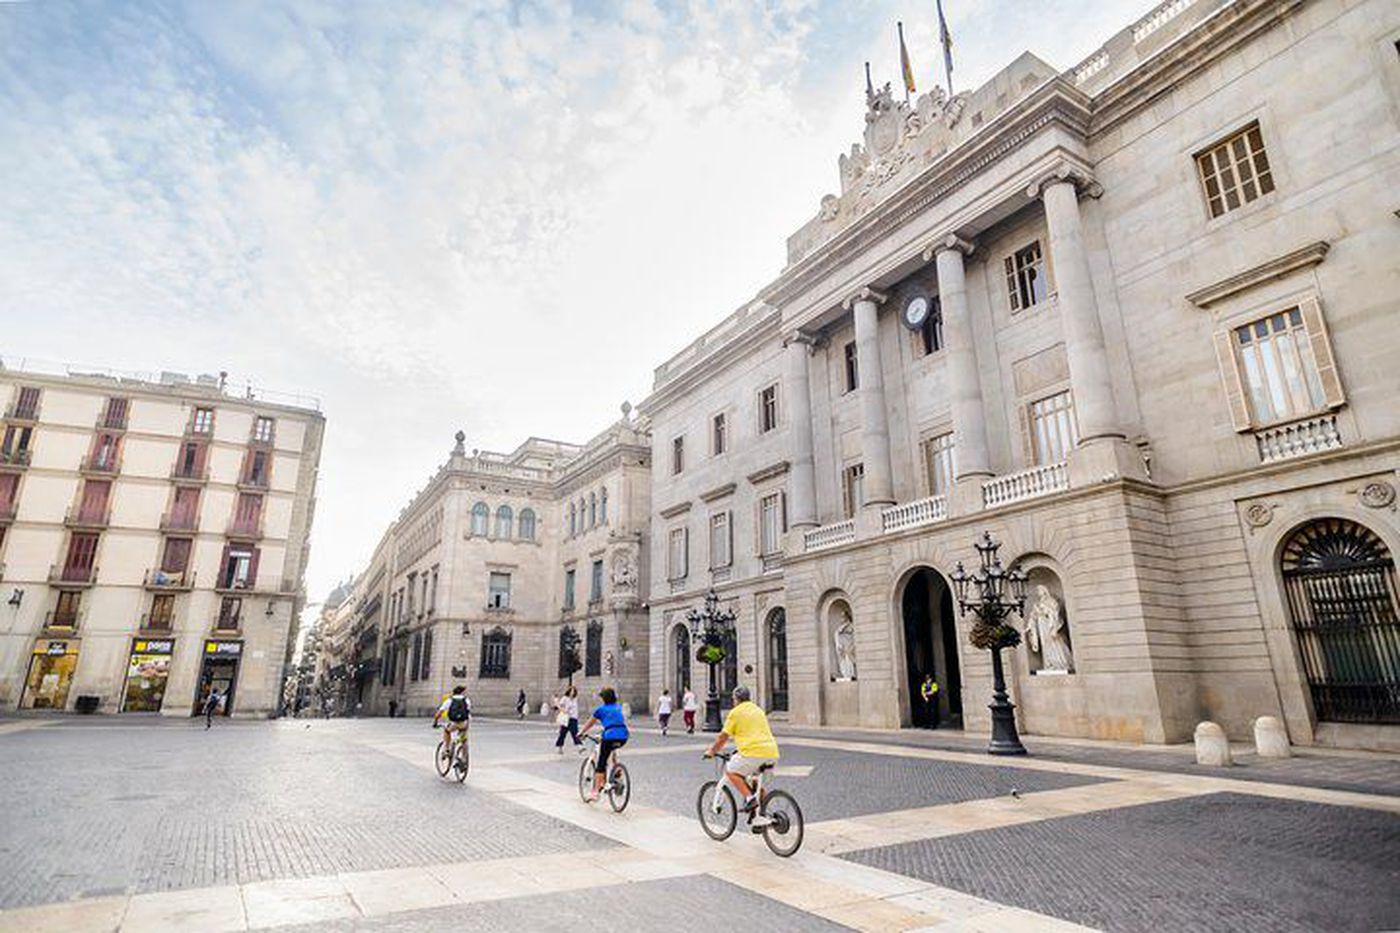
{"type": "Point", "coordinates": [1138, 320]}
{"type": "Point", "coordinates": [491, 570]}
{"type": "Point", "coordinates": [154, 534]}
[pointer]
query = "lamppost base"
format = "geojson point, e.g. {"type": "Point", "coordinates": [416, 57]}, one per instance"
{"type": "Point", "coordinates": [712, 720]}
{"type": "Point", "coordinates": [1005, 740]}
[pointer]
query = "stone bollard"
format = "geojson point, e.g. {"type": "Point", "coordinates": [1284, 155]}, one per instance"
{"type": "Point", "coordinates": [1271, 739]}
{"type": "Point", "coordinates": [1212, 748]}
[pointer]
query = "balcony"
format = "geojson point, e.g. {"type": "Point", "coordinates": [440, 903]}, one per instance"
{"type": "Point", "coordinates": [100, 465]}
{"type": "Point", "coordinates": [234, 587]}
{"type": "Point", "coordinates": [88, 519]}
{"type": "Point", "coordinates": [230, 619]}
{"type": "Point", "coordinates": [179, 522]}
{"type": "Point", "coordinates": [168, 581]}
{"type": "Point", "coordinates": [1309, 436]}
{"type": "Point", "coordinates": [244, 530]}
{"type": "Point", "coordinates": [16, 412]}
{"type": "Point", "coordinates": [1027, 484]}
{"type": "Point", "coordinates": [196, 475]}
{"type": "Point", "coordinates": [253, 482]}
{"type": "Point", "coordinates": [157, 625]}
{"type": "Point", "coordinates": [914, 514]}
{"type": "Point", "coordinates": [67, 576]}
{"type": "Point", "coordinates": [7, 512]}
{"type": "Point", "coordinates": [13, 461]}
{"type": "Point", "coordinates": [63, 620]}
{"type": "Point", "coordinates": [112, 421]}
{"type": "Point", "coordinates": [832, 535]}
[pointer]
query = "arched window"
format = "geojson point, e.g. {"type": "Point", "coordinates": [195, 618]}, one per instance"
{"type": "Point", "coordinates": [495, 654]}
{"type": "Point", "coordinates": [568, 653]}
{"type": "Point", "coordinates": [603, 505]}
{"type": "Point", "coordinates": [527, 524]}
{"type": "Point", "coordinates": [481, 518]}
{"type": "Point", "coordinates": [593, 651]}
{"type": "Point", "coordinates": [505, 521]}
{"type": "Point", "coordinates": [573, 520]}
{"type": "Point", "coordinates": [592, 509]}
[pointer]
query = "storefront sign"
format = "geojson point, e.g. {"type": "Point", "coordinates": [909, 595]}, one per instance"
{"type": "Point", "coordinates": [227, 649]}
{"type": "Point", "coordinates": [153, 645]}
{"type": "Point", "coordinates": [53, 648]}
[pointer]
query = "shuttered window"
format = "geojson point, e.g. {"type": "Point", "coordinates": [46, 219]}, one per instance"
{"type": "Point", "coordinates": [1235, 171]}
{"type": "Point", "coordinates": [1279, 368]}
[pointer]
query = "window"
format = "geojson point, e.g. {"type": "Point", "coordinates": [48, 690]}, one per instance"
{"type": "Point", "coordinates": [573, 520]}
{"type": "Point", "coordinates": [9, 493]}
{"type": "Point", "coordinates": [427, 665]}
{"type": "Point", "coordinates": [1053, 432]}
{"type": "Point", "coordinates": [262, 430]}
{"type": "Point", "coordinates": [255, 472]}
{"type": "Point", "coordinates": [853, 488]}
{"type": "Point", "coordinates": [717, 438]}
{"type": "Point", "coordinates": [677, 455]}
{"type": "Point", "coordinates": [768, 409]}
{"type": "Point", "coordinates": [592, 510]}
{"type": "Point", "coordinates": [505, 521]}
{"type": "Point", "coordinates": [1025, 277]}
{"type": "Point", "coordinates": [495, 654]}
{"type": "Point", "coordinates": [202, 421]}
{"type": "Point", "coordinates": [240, 567]}
{"type": "Point", "coordinates": [177, 555]}
{"type": "Point", "coordinates": [92, 508]}
{"type": "Point", "coordinates": [247, 514]}
{"type": "Point", "coordinates": [498, 591]}
{"type": "Point", "coordinates": [82, 551]}
{"type": "Point", "coordinates": [603, 505]}
{"type": "Point", "coordinates": [65, 613]}
{"type": "Point", "coordinates": [852, 367]}
{"type": "Point", "coordinates": [481, 519]}
{"type": "Point", "coordinates": [527, 524]}
{"type": "Point", "coordinates": [230, 612]}
{"type": "Point", "coordinates": [409, 588]}
{"type": "Point", "coordinates": [114, 415]}
{"type": "Point", "coordinates": [568, 652]}
{"type": "Point", "coordinates": [16, 445]}
{"type": "Point", "coordinates": [569, 580]}
{"type": "Point", "coordinates": [1280, 369]}
{"type": "Point", "coordinates": [104, 452]}
{"type": "Point", "coordinates": [432, 593]}
{"type": "Point", "coordinates": [938, 464]}
{"type": "Point", "coordinates": [772, 524]}
{"type": "Point", "coordinates": [162, 614]}
{"type": "Point", "coordinates": [415, 660]}
{"type": "Point", "coordinates": [184, 510]}
{"type": "Point", "coordinates": [1235, 172]}
{"type": "Point", "coordinates": [677, 554]}
{"type": "Point", "coordinates": [593, 650]}
{"type": "Point", "coordinates": [27, 405]}
{"type": "Point", "coordinates": [931, 333]}
{"type": "Point", "coordinates": [190, 464]}
{"type": "Point", "coordinates": [721, 541]}
{"type": "Point", "coordinates": [595, 592]}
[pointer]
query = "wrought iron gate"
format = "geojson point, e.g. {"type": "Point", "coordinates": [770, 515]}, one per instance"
{"type": "Point", "coordinates": [1340, 582]}
{"type": "Point", "coordinates": [777, 662]}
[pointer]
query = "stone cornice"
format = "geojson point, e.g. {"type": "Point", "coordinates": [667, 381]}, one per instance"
{"type": "Point", "coordinates": [1275, 268]}
{"type": "Point", "coordinates": [769, 472]}
{"type": "Point", "coordinates": [715, 360]}
{"type": "Point", "coordinates": [671, 511]}
{"type": "Point", "coordinates": [719, 492]}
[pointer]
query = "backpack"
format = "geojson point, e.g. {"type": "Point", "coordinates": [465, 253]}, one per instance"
{"type": "Point", "coordinates": [458, 710]}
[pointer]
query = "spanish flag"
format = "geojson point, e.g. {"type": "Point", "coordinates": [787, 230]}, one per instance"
{"type": "Point", "coordinates": [904, 64]}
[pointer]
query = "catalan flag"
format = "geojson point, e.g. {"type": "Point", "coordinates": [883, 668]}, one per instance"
{"type": "Point", "coordinates": [905, 67]}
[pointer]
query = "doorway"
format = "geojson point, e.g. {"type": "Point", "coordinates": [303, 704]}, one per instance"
{"type": "Point", "coordinates": [51, 668]}
{"type": "Point", "coordinates": [680, 657]}
{"type": "Point", "coordinates": [218, 672]}
{"type": "Point", "coordinates": [931, 649]}
{"type": "Point", "coordinates": [777, 662]}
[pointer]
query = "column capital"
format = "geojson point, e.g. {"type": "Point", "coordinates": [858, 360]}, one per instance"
{"type": "Point", "coordinates": [950, 241]}
{"type": "Point", "coordinates": [801, 337]}
{"type": "Point", "coordinates": [1083, 181]}
{"type": "Point", "coordinates": [865, 293]}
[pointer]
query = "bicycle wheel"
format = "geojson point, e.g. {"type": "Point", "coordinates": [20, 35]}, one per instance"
{"type": "Point", "coordinates": [621, 791]}
{"type": "Point", "coordinates": [784, 834]}
{"type": "Point", "coordinates": [717, 811]}
{"type": "Point", "coordinates": [442, 759]}
{"type": "Point", "coordinates": [463, 762]}
{"type": "Point", "coordinates": [585, 778]}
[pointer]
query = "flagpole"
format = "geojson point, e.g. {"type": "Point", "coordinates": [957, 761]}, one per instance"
{"type": "Point", "coordinates": [903, 61]}
{"type": "Point", "coordinates": [945, 38]}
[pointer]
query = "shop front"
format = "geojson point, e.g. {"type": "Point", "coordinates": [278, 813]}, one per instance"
{"type": "Point", "coordinates": [147, 673]}
{"type": "Point", "coordinates": [219, 671]}
{"type": "Point", "coordinates": [51, 667]}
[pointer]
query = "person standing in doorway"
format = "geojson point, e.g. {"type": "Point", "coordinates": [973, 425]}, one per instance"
{"type": "Point", "coordinates": [663, 710]}
{"type": "Point", "coordinates": [211, 706]}
{"type": "Point", "coordinates": [688, 707]}
{"type": "Point", "coordinates": [928, 692]}
{"type": "Point", "coordinates": [567, 718]}
{"type": "Point", "coordinates": [520, 702]}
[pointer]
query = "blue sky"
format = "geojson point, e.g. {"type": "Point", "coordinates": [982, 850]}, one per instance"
{"type": "Point", "coordinates": [489, 216]}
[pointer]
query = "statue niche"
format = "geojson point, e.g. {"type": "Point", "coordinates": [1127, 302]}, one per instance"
{"type": "Point", "coordinates": [843, 640]}
{"type": "Point", "coordinates": [1046, 631]}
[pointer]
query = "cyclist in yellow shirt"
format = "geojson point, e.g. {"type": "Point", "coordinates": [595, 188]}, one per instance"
{"type": "Point", "coordinates": [747, 725]}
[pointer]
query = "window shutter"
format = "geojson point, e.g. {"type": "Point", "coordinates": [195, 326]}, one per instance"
{"type": "Point", "coordinates": [1230, 374]}
{"type": "Point", "coordinates": [1322, 352]}
{"type": "Point", "coordinates": [1011, 291]}
{"type": "Point", "coordinates": [253, 569]}
{"type": "Point", "coordinates": [1023, 419]}
{"type": "Point", "coordinates": [685, 552]}
{"type": "Point", "coordinates": [782, 511]}
{"type": "Point", "coordinates": [223, 565]}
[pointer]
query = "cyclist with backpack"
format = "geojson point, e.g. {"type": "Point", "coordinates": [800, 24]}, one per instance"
{"type": "Point", "coordinates": [458, 711]}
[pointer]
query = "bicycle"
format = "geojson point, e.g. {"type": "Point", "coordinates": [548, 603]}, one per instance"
{"type": "Point", "coordinates": [618, 785]}
{"type": "Point", "coordinates": [452, 760]}
{"type": "Point", "coordinates": [781, 818]}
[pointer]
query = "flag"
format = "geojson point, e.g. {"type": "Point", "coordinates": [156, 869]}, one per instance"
{"type": "Point", "coordinates": [946, 39]}
{"type": "Point", "coordinates": [869, 87]}
{"type": "Point", "coordinates": [904, 66]}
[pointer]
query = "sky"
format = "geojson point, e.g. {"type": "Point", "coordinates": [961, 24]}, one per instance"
{"type": "Point", "coordinates": [488, 216]}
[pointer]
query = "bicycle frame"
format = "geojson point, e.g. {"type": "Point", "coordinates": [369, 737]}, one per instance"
{"type": "Point", "coordinates": [756, 783]}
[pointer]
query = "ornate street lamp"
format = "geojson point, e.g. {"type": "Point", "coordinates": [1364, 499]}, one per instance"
{"type": "Point", "coordinates": [991, 603]}
{"type": "Point", "coordinates": [568, 648]}
{"type": "Point", "coordinates": [710, 625]}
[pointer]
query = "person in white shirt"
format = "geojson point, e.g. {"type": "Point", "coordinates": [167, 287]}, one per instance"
{"type": "Point", "coordinates": [663, 710]}
{"type": "Point", "coordinates": [688, 707]}
{"type": "Point", "coordinates": [566, 717]}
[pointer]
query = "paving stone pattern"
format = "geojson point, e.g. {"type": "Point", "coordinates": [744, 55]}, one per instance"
{"type": "Point", "coordinates": [98, 811]}
{"type": "Point", "coordinates": [678, 904]}
{"type": "Point", "coordinates": [1219, 862]}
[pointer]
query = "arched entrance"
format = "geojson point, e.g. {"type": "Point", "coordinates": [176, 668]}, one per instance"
{"type": "Point", "coordinates": [680, 658]}
{"type": "Point", "coordinates": [777, 661]}
{"type": "Point", "coordinates": [1340, 583]}
{"type": "Point", "coordinates": [931, 648]}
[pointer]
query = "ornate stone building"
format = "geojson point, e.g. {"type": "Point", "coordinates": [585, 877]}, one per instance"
{"type": "Point", "coordinates": [499, 572]}
{"type": "Point", "coordinates": [1138, 319]}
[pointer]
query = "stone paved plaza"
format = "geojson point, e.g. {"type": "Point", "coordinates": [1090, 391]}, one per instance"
{"type": "Point", "coordinates": [157, 824]}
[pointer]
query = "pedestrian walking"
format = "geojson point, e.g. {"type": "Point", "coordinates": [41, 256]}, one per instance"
{"type": "Point", "coordinates": [211, 706]}
{"type": "Point", "coordinates": [567, 718]}
{"type": "Point", "coordinates": [663, 710]}
{"type": "Point", "coordinates": [520, 705]}
{"type": "Point", "coordinates": [688, 707]}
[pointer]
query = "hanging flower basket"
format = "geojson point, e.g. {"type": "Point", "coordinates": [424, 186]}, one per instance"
{"type": "Point", "coordinates": [990, 637]}
{"type": "Point", "coordinates": [710, 654]}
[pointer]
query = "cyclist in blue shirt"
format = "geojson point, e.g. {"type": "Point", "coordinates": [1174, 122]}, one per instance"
{"type": "Point", "coordinates": [614, 736]}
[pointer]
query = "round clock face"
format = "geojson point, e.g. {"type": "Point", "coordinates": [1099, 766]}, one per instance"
{"type": "Point", "coordinates": [915, 311]}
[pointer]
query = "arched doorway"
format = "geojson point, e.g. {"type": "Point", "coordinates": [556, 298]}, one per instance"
{"type": "Point", "coordinates": [1340, 582]}
{"type": "Point", "coordinates": [680, 658]}
{"type": "Point", "coordinates": [777, 661]}
{"type": "Point", "coordinates": [931, 647]}
{"type": "Point", "coordinates": [729, 670]}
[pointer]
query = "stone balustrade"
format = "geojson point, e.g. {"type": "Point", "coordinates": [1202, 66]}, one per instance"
{"type": "Point", "coordinates": [829, 535]}
{"type": "Point", "coordinates": [913, 514]}
{"type": "Point", "coordinates": [1027, 484]}
{"type": "Point", "coordinates": [1298, 439]}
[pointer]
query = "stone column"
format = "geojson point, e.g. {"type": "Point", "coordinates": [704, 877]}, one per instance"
{"type": "Point", "coordinates": [970, 459]}
{"type": "Point", "coordinates": [875, 431]}
{"type": "Point", "coordinates": [802, 488]}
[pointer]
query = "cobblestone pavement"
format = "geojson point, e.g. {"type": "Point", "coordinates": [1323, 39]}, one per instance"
{"type": "Point", "coordinates": [157, 825]}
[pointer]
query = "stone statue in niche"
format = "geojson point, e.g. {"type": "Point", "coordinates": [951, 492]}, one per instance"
{"type": "Point", "coordinates": [844, 641]}
{"type": "Point", "coordinates": [624, 574]}
{"type": "Point", "coordinates": [1047, 632]}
